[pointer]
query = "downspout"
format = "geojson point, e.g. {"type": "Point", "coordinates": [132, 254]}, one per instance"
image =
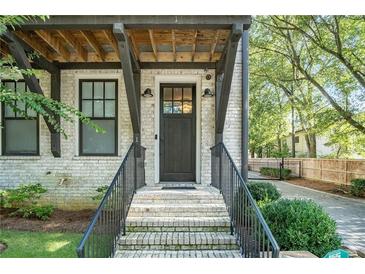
{"type": "Point", "coordinates": [245, 89]}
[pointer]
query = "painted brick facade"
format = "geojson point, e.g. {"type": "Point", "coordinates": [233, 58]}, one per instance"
{"type": "Point", "coordinates": [71, 180]}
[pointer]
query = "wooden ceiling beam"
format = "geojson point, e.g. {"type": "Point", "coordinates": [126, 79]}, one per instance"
{"type": "Point", "coordinates": [173, 38]}
{"type": "Point", "coordinates": [112, 41]}
{"type": "Point", "coordinates": [214, 45]}
{"type": "Point", "coordinates": [54, 43]}
{"type": "Point", "coordinates": [134, 44]}
{"type": "Point", "coordinates": [90, 38]}
{"type": "Point", "coordinates": [194, 45]}
{"type": "Point", "coordinates": [74, 43]}
{"type": "Point", "coordinates": [153, 44]}
{"type": "Point", "coordinates": [34, 45]}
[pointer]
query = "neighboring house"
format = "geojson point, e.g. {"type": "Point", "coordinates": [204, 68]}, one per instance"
{"type": "Point", "coordinates": [189, 69]}
{"type": "Point", "coordinates": [301, 149]}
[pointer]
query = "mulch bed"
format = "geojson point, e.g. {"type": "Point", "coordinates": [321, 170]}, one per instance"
{"type": "Point", "coordinates": [60, 221]}
{"type": "Point", "coordinates": [342, 190]}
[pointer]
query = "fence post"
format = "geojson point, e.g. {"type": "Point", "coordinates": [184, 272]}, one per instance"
{"type": "Point", "coordinates": [281, 168]}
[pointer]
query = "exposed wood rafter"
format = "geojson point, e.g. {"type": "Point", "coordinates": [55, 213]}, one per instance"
{"type": "Point", "coordinates": [33, 44]}
{"type": "Point", "coordinates": [194, 45]}
{"type": "Point", "coordinates": [173, 39]}
{"type": "Point", "coordinates": [90, 38]}
{"type": "Point", "coordinates": [74, 43]}
{"type": "Point", "coordinates": [112, 41]}
{"type": "Point", "coordinates": [153, 44]}
{"type": "Point", "coordinates": [134, 44]}
{"type": "Point", "coordinates": [214, 45]}
{"type": "Point", "coordinates": [54, 43]}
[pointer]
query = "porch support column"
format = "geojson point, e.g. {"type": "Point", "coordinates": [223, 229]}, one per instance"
{"type": "Point", "coordinates": [129, 78]}
{"type": "Point", "coordinates": [245, 100]}
{"type": "Point", "coordinates": [22, 61]}
{"type": "Point", "coordinates": [226, 67]}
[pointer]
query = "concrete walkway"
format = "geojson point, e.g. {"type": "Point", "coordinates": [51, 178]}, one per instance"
{"type": "Point", "coordinates": [348, 213]}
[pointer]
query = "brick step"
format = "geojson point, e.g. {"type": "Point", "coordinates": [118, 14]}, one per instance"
{"type": "Point", "coordinates": [175, 208]}
{"type": "Point", "coordinates": [177, 241]}
{"type": "Point", "coordinates": [139, 200]}
{"type": "Point", "coordinates": [178, 214]}
{"type": "Point", "coordinates": [176, 224]}
{"type": "Point", "coordinates": [178, 254]}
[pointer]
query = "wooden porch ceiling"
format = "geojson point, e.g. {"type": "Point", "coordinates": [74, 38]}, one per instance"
{"type": "Point", "coordinates": [148, 45]}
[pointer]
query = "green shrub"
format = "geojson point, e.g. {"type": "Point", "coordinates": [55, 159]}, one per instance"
{"type": "Point", "coordinates": [357, 187]}
{"type": "Point", "coordinates": [275, 172]}
{"type": "Point", "coordinates": [24, 200]}
{"type": "Point", "coordinates": [301, 225]}
{"type": "Point", "coordinates": [34, 211]}
{"type": "Point", "coordinates": [101, 193]}
{"type": "Point", "coordinates": [263, 192]}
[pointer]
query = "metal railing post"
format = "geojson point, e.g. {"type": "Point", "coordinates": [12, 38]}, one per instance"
{"type": "Point", "coordinates": [220, 167]}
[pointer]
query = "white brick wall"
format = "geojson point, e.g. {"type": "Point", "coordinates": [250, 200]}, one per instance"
{"type": "Point", "coordinates": [84, 174]}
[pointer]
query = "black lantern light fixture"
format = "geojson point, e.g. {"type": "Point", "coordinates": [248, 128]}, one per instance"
{"type": "Point", "coordinates": [147, 93]}
{"type": "Point", "coordinates": [208, 93]}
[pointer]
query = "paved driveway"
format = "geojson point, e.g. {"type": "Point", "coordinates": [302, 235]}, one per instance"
{"type": "Point", "coordinates": [348, 213]}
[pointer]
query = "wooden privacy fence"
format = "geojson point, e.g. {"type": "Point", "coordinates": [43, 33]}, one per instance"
{"type": "Point", "coordinates": [338, 171]}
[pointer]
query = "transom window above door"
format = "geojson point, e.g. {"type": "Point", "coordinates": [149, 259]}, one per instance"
{"type": "Point", "coordinates": [177, 100]}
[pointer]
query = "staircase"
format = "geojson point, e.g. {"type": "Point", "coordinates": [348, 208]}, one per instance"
{"type": "Point", "coordinates": [174, 223]}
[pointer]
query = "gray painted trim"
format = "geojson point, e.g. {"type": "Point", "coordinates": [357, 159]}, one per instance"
{"type": "Point", "coordinates": [245, 106]}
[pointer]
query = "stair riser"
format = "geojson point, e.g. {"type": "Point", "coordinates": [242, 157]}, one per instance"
{"type": "Point", "coordinates": [179, 247]}
{"type": "Point", "coordinates": [176, 209]}
{"type": "Point", "coordinates": [177, 214]}
{"type": "Point", "coordinates": [182, 202]}
{"type": "Point", "coordinates": [179, 197]}
{"type": "Point", "coordinates": [178, 229]}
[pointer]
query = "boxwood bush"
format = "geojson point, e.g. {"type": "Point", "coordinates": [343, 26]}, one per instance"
{"type": "Point", "coordinates": [263, 192]}
{"type": "Point", "coordinates": [301, 225]}
{"type": "Point", "coordinates": [357, 187]}
{"type": "Point", "coordinates": [275, 172]}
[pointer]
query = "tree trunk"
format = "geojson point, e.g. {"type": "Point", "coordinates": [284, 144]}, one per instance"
{"type": "Point", "coordinates": [259, 152]}
{"type": "Point", "coordinates": [313, 146]}
{"type": "Point", "coordinates": [252, 153]}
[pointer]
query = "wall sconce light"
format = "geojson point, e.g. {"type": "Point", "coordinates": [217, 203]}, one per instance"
{"type": "Point", "coordinates": [208, 93]}
{"type": "Point", "coordinates": [147, 93]}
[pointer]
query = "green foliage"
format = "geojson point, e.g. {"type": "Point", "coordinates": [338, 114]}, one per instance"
{"type": "Point", "coordinates": [316, 65]}
{"type": "Point", "coordinates": [263, 193]}
{"type": "Point", "coordinates": [357, 187]}
{"type": "Point", "coordinates": [24, 200]}
{"type": "Point", "coordinates": [301, 225]}
{"type": "Point", "coordinates": [46, 107]}
{"type": "Point", "coordinates": [34, 211]}
{"type": "Point", "coordinates": [275, 172]}
{"type": "Point", "coordinates": [101, 193]}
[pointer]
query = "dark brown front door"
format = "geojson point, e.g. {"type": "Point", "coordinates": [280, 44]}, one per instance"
{"type": "Point", "coordinates": [177, 132]}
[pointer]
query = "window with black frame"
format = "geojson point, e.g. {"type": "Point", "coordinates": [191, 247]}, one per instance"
{"type": "Point", "coordinates": [98, 101]}
{"type": "Point", "coordinates": [20, 133]}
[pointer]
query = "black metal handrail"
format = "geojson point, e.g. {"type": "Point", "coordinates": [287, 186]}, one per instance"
{"type": "Point", "coordinates": [247, 223]}
{"type": "Point", "coordinates": [101, 236]}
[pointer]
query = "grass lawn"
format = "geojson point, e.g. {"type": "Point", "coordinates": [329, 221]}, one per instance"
{"type": "Point", "coordinates": [23, 244]}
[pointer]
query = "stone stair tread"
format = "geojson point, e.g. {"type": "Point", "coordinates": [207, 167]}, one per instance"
{"type": "Point", "coordinates": [178, 221]}
{"type": "Point", "coordinates": [177, 238]}
{"type": "Point", "coordinates": [178, 254]}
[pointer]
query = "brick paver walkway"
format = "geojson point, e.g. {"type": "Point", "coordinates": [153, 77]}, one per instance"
{"type": "Point", "coordinates": [348, 213]}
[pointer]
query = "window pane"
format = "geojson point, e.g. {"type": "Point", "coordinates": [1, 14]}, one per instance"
{"type": "Point", "coordinates": [21, 136]}
{"type": "Point", "coordinates": [110, 90]}
{"type": "Point", "coordinates": [167, 107]}
{"type": "Point", "coordinates": [188, 94]}
{"type": "Point", "coordinates": [167, 94]}
{"type": "Point", "coordinates": [98, 108]}
{"type": "Point", "coordinates": [99, 143]}
{"type": "Point", "coordinates": [20, 87]}
{"type": "Point", "coordinates": [87, 107]}
{"type": "Point", "coordinates": [9, 111]}
{"type": "Point", "coordinates": [10, 85]}
{"type": "Point", "coordinates": [177, 94]}
{"type": "Point", "coordinates": [177, 107]}
{"type": "Point", "coordinates": [188, 107]}
{"type": "Point", "coordinates": [87, 88]}
{"type": "Point", "coordinates": [109, 108]}
{"type": "Point", "coordinates": [98, 90]}
{"type": "Point", "coordinates": [31, 112]}
{"type": "Point", "coordinates": [21, 106]}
